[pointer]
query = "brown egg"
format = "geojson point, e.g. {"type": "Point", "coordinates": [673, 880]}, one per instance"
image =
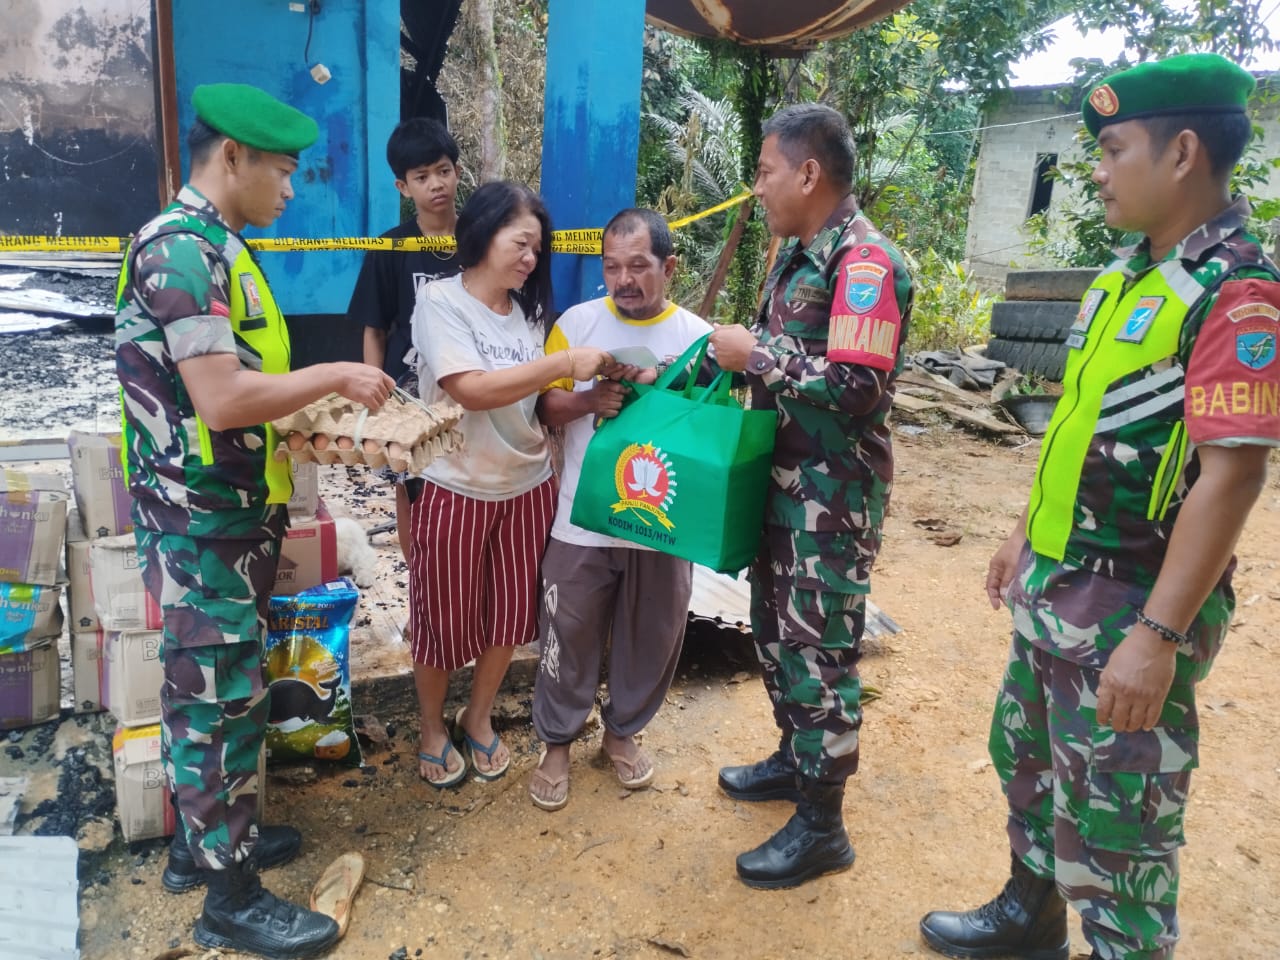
{"type": "Point", "coordinates": [371, 446]}
{"type": "Point", "coordinates": [296, 440]}
{"type": "Point", "coordinates": [320, 441]}
{"type": "Point", "coordinates": [346, 443]}
{"type": "Point", "coordinates": [395, 450]}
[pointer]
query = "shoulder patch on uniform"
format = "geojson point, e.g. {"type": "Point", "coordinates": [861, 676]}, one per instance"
{"type": "Point", "coordinates": [1255, 325]}
{"type": "Point", "coordinates": [863, 282]}
{"type": "Point", "coordinates": [252, 301]}
{"type": "Point", "coordinates": [866, 325]}
{"type": "Point", "coordinates": [1232, 391]}
{"type": "Point", "coordinates": [1088, 310]}
{"type": "Point", "coordinates": [1140, 320]}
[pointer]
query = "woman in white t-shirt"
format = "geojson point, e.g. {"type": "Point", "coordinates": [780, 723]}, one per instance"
{"type": "Point", "coordinates": [481, 521]}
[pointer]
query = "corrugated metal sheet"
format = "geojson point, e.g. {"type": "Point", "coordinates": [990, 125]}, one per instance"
{"type": "Point", "coordinates": [39, 898]}
{"type": "Point", "coordinates": [726, 600]}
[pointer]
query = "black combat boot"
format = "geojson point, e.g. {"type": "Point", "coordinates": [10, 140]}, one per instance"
{"type": "Point", "coordinates": [275, 846]}
{"type": "Point", "coordinates": [811, 843]}
{"type": "Point", "coordinates": [240, 915]}
{"type": "Point", "coordinates": [773, 778]}
{"type": "Point", "coordinates": [1026, 921]}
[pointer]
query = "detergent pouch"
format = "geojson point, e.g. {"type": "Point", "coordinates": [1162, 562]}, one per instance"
{"type": "Point", "coordinates": [305, 664]}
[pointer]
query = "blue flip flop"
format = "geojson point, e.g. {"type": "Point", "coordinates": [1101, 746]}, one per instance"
{"type": "Point", "coordinates": [471, 746]}
{"type": "Point", "coordinates": [450, 779]}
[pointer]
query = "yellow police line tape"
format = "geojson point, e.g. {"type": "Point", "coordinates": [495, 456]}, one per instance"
{"type": "Point", "coordinates": [563, 241]}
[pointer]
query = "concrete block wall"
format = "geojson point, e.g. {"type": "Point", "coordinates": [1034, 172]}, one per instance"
{"type": "Point", "coordinates": [1027, 124]}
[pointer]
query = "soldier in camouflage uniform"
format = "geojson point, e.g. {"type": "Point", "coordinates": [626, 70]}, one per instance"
{"type": "Point", "coordinates": [824, 353]}
{"type": "Point", "coordinates": [1118, 575]}
{"type": "Point", "coordinates": [202, 353]}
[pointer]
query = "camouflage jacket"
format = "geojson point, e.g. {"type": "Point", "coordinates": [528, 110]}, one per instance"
{"type": "Point", "coordinates": [173, 305]}
{"type": "Point", "coordinates": [1141, 460]}
{"type": "Point", "coordinates": [831, 334]}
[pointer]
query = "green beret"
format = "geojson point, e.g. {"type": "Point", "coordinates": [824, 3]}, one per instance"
{"type": "Point", "coordinates": [254, 117]}
{"type": "Point", "coordinates": [1187, 83]}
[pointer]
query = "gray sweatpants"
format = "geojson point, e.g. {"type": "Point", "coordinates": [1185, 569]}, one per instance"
{"type": "Point", "coordinates": [638, 602]}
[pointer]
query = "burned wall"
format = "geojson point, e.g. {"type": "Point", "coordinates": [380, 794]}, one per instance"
{"type": "Point", "coordinates": [77, 117]}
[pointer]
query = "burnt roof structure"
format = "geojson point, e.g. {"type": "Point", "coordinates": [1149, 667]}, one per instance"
{"type": "Point", "coordinates": [793, 26]}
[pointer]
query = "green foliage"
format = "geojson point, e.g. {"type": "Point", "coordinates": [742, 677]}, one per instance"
{"type": "Point", "coordinates": [1076, 234]}
{"type": "Point", "coordinates": [929, 62]}
{"type": "Point", "coordinates": [675, 69]}
{"type": "Point", "coordinates": [705, 147]}
{"type": "Point", "coordinates": [1155, 28]}
{"type": "Point", "coordinates": [913, 176]}
{"type": "Point", "coordinates": [699, 137]}
{"type": "Point", "coordinates": [700, 154]}
{"type": "Point", "coordinates": [757, 91]}
{"type": "Point", "coordinates": [913, 88]}
{"type": "Point", "coordinates": [950, 311]}
{"type": "Point", "coordinates": [922, 193]}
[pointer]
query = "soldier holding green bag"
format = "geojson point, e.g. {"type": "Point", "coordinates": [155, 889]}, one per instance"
{"type": "Point", "coordinates": [824, 352]}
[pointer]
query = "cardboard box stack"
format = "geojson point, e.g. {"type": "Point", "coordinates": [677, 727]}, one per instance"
{"type": "Point", "coordinates": [115, 639]}
{"type": "Point", "coordinates": [309, 553]}
{"type": "Point", "coordinates": [33, 512]}
{"type": "Point", "coordinates": [142, 795]}
{"type": "Point", "coordinates": [87, 638]}
{"type": "Point", "coordinates": [102, 511]}
{"type": "Point", "coordinates": [97, 480]}
{"type": "Point", "coordinates": [116, 627]}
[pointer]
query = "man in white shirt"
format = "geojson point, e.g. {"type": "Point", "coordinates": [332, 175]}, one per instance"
{"type": "Point", "coordinates": [599, 590]}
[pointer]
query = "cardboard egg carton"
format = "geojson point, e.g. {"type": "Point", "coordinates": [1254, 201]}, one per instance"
{"type": "Point", "coordinates": [405, 434]}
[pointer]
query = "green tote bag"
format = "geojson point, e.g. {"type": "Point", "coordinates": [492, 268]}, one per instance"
{"type": "Point", "coordinates": [681, 469]}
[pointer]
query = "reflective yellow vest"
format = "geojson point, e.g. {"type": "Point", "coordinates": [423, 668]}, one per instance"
{"type": "Point", "coordinates": [1116, 334]}
{"type": "Point", "coordinates": [259, 326]}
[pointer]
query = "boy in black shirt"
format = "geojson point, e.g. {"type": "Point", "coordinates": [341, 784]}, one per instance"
{"type": "Point", "coordinates": [424, 158]}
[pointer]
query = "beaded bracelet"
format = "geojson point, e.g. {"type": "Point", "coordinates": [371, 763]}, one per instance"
{"type": "Point", "coordinates": [1168, 633]}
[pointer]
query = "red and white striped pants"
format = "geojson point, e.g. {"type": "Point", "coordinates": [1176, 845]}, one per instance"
{"type": "Point", "coordinates": [473, 572]}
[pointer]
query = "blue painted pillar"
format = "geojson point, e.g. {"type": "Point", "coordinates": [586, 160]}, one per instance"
{"type": "Point", "coordinates": [343, 186]}
{"type": "Point", "coordinates": [591, 130]}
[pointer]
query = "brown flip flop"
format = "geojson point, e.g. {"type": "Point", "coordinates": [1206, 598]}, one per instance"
{"type": "Point", "coordinates": [625, 769]}
{"type": "Point", "coordinates": [558, 799]}
{"type": "Point", "coordinates": [336, 889]}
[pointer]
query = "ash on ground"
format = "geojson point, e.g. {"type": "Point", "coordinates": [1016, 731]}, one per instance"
{"type": "Point", "coordinates": [58, 380]}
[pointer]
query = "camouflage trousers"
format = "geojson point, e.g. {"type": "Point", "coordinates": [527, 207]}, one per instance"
{"type": "Point", "coordinates": [213, 596]}
{"type": "Point", "coordinates": [809, 642]}
{"type": "Point", "coordinates": [1099, 811]}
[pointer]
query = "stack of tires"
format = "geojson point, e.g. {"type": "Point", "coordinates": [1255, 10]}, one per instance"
{"type": "Point", "coordinates": [1029, 328]}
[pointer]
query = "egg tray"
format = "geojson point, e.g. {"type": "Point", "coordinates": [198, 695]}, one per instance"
{"type": "Point", "coordinates": [405, 434]}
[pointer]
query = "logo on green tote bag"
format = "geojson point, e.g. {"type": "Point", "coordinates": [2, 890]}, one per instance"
{"type": "Point", "coordinates": [646, 486]}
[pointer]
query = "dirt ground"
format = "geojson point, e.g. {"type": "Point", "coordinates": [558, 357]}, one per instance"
{"type": "Point", "coordinates": [481, 873]}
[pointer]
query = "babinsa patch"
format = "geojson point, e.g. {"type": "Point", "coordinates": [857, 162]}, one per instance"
{"type": "Point", "coordinates": [863, 284]}
{"type": "Point", "coordinates": [1256, 326]}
